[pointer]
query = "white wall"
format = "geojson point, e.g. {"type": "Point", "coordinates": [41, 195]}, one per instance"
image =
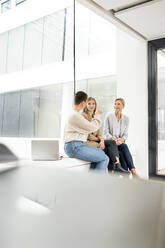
{"type": "Point", "coordinates": [132, 86]}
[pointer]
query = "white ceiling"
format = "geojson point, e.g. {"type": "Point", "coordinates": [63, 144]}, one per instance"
{"type": "Point", "coordinates": [147, 18]}
{"type": "Point", "coordinates": [115, 4]}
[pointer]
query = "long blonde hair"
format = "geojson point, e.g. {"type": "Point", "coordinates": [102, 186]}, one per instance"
{"type": "Point", "coordinates": [86, 109]}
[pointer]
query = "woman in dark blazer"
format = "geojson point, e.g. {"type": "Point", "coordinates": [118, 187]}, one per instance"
{"type": "Point", "coordinates": [116, 128]}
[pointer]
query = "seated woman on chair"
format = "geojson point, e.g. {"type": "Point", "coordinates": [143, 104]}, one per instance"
{"type": "Point", "coordinates": [96, 140]}
{"type": "Point", "coordinates": [116, 129]}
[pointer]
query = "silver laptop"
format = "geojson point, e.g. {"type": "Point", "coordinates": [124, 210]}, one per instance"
{"type": "Point", "coordinates": [44, 150]}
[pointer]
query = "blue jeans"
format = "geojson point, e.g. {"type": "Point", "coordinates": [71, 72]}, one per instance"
{"type": "Point", "coordinates": [76, 149]}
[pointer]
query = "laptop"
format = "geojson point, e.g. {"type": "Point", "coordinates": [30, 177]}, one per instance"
{"type": "Point", "coordinates": [8, 159]}
{"type": "Point", "coordinates": [44, 150]}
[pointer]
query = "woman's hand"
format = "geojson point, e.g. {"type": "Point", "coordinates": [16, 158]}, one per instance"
{"type": "Point", "coordinates": [120, 141]}
{"type": "Point", "coordinates": [102, 145]}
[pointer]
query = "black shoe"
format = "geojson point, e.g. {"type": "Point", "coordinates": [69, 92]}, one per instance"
{"type": "Point", "coordinates": [118, 168]}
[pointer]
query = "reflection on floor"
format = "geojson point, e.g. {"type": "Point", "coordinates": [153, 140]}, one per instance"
{"type": "Point", "coordinates": [161, 172]}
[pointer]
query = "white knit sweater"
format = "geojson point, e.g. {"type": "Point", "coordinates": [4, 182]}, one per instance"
{"type": "Point", "coordinates": [77, 127]}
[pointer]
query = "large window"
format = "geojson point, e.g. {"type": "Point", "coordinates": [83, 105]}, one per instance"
{"type": "Point", "coordinates": [41, 111]}
{"type": "Point", "coordinates": [47, 45]}
{"type": "Point", "coordinates": [44, 41]}
{"type": "Point", "coordinates": [95, 51]}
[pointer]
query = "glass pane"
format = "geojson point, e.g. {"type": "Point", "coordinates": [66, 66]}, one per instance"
{"type": "Point", "coordinates": [39, 112]}
{"type": "Point", "coordinates": [11, 114]}
{"type": "Point", "coordinates": [5, 6]}
{"type": "Point", "coordinates": [94, 35]}
{"type": "Point", "coordinates": [68, 50]}
{"type": "Point", "coordinates": [33, 44]}
{"type": "Point", "coordinates": [15, 49]}
{"type": "Point", "coordinates": [3, 51]}
{"type": "Point", "coordinates": [53, 38]}
{"type": "Point", "coordinates": [51, 108]}
{"type": "Point", "coordinates": [83, 31]}
{"type": "Point", "coordinates": [49, 111]}
{"type": "Point", "coordinates": [26, 122]}
{"type": "Point", "coordinates": [161, 111]}
{"type": "Point", "coordinates": [103, 89]}
{"type": "Point", "coordinates": [96, 58]}
{"type": "Point", "coordinates": [1, 112]}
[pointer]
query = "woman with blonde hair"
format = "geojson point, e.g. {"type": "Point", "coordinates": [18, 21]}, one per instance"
{"type": "Point", "coordinates": [116, 129]}
{"type": "Point", "coordinates": [96, 140]}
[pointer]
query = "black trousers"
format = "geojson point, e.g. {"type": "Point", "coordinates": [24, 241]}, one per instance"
{"type": "Point", "coordinates": [111, 150]}
{"type": "Point", "coordinates": [125, 158]}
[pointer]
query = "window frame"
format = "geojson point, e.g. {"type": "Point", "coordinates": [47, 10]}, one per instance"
{"type": "Point", "coordinates": [22, 1]}
{"type": "Point", "coordinates": [153, 47]}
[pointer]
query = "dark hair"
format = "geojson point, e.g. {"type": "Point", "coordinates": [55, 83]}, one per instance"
{"type": "Point", "coordinates": [79, 97]}
{"type": "Point", "coordinates": [86, 109]}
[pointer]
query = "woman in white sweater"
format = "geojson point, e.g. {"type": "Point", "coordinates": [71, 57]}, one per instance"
{"type": "Point", "coordinates": [76, 132]}
{"type": "Point", "coordinates": [116, 128]}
